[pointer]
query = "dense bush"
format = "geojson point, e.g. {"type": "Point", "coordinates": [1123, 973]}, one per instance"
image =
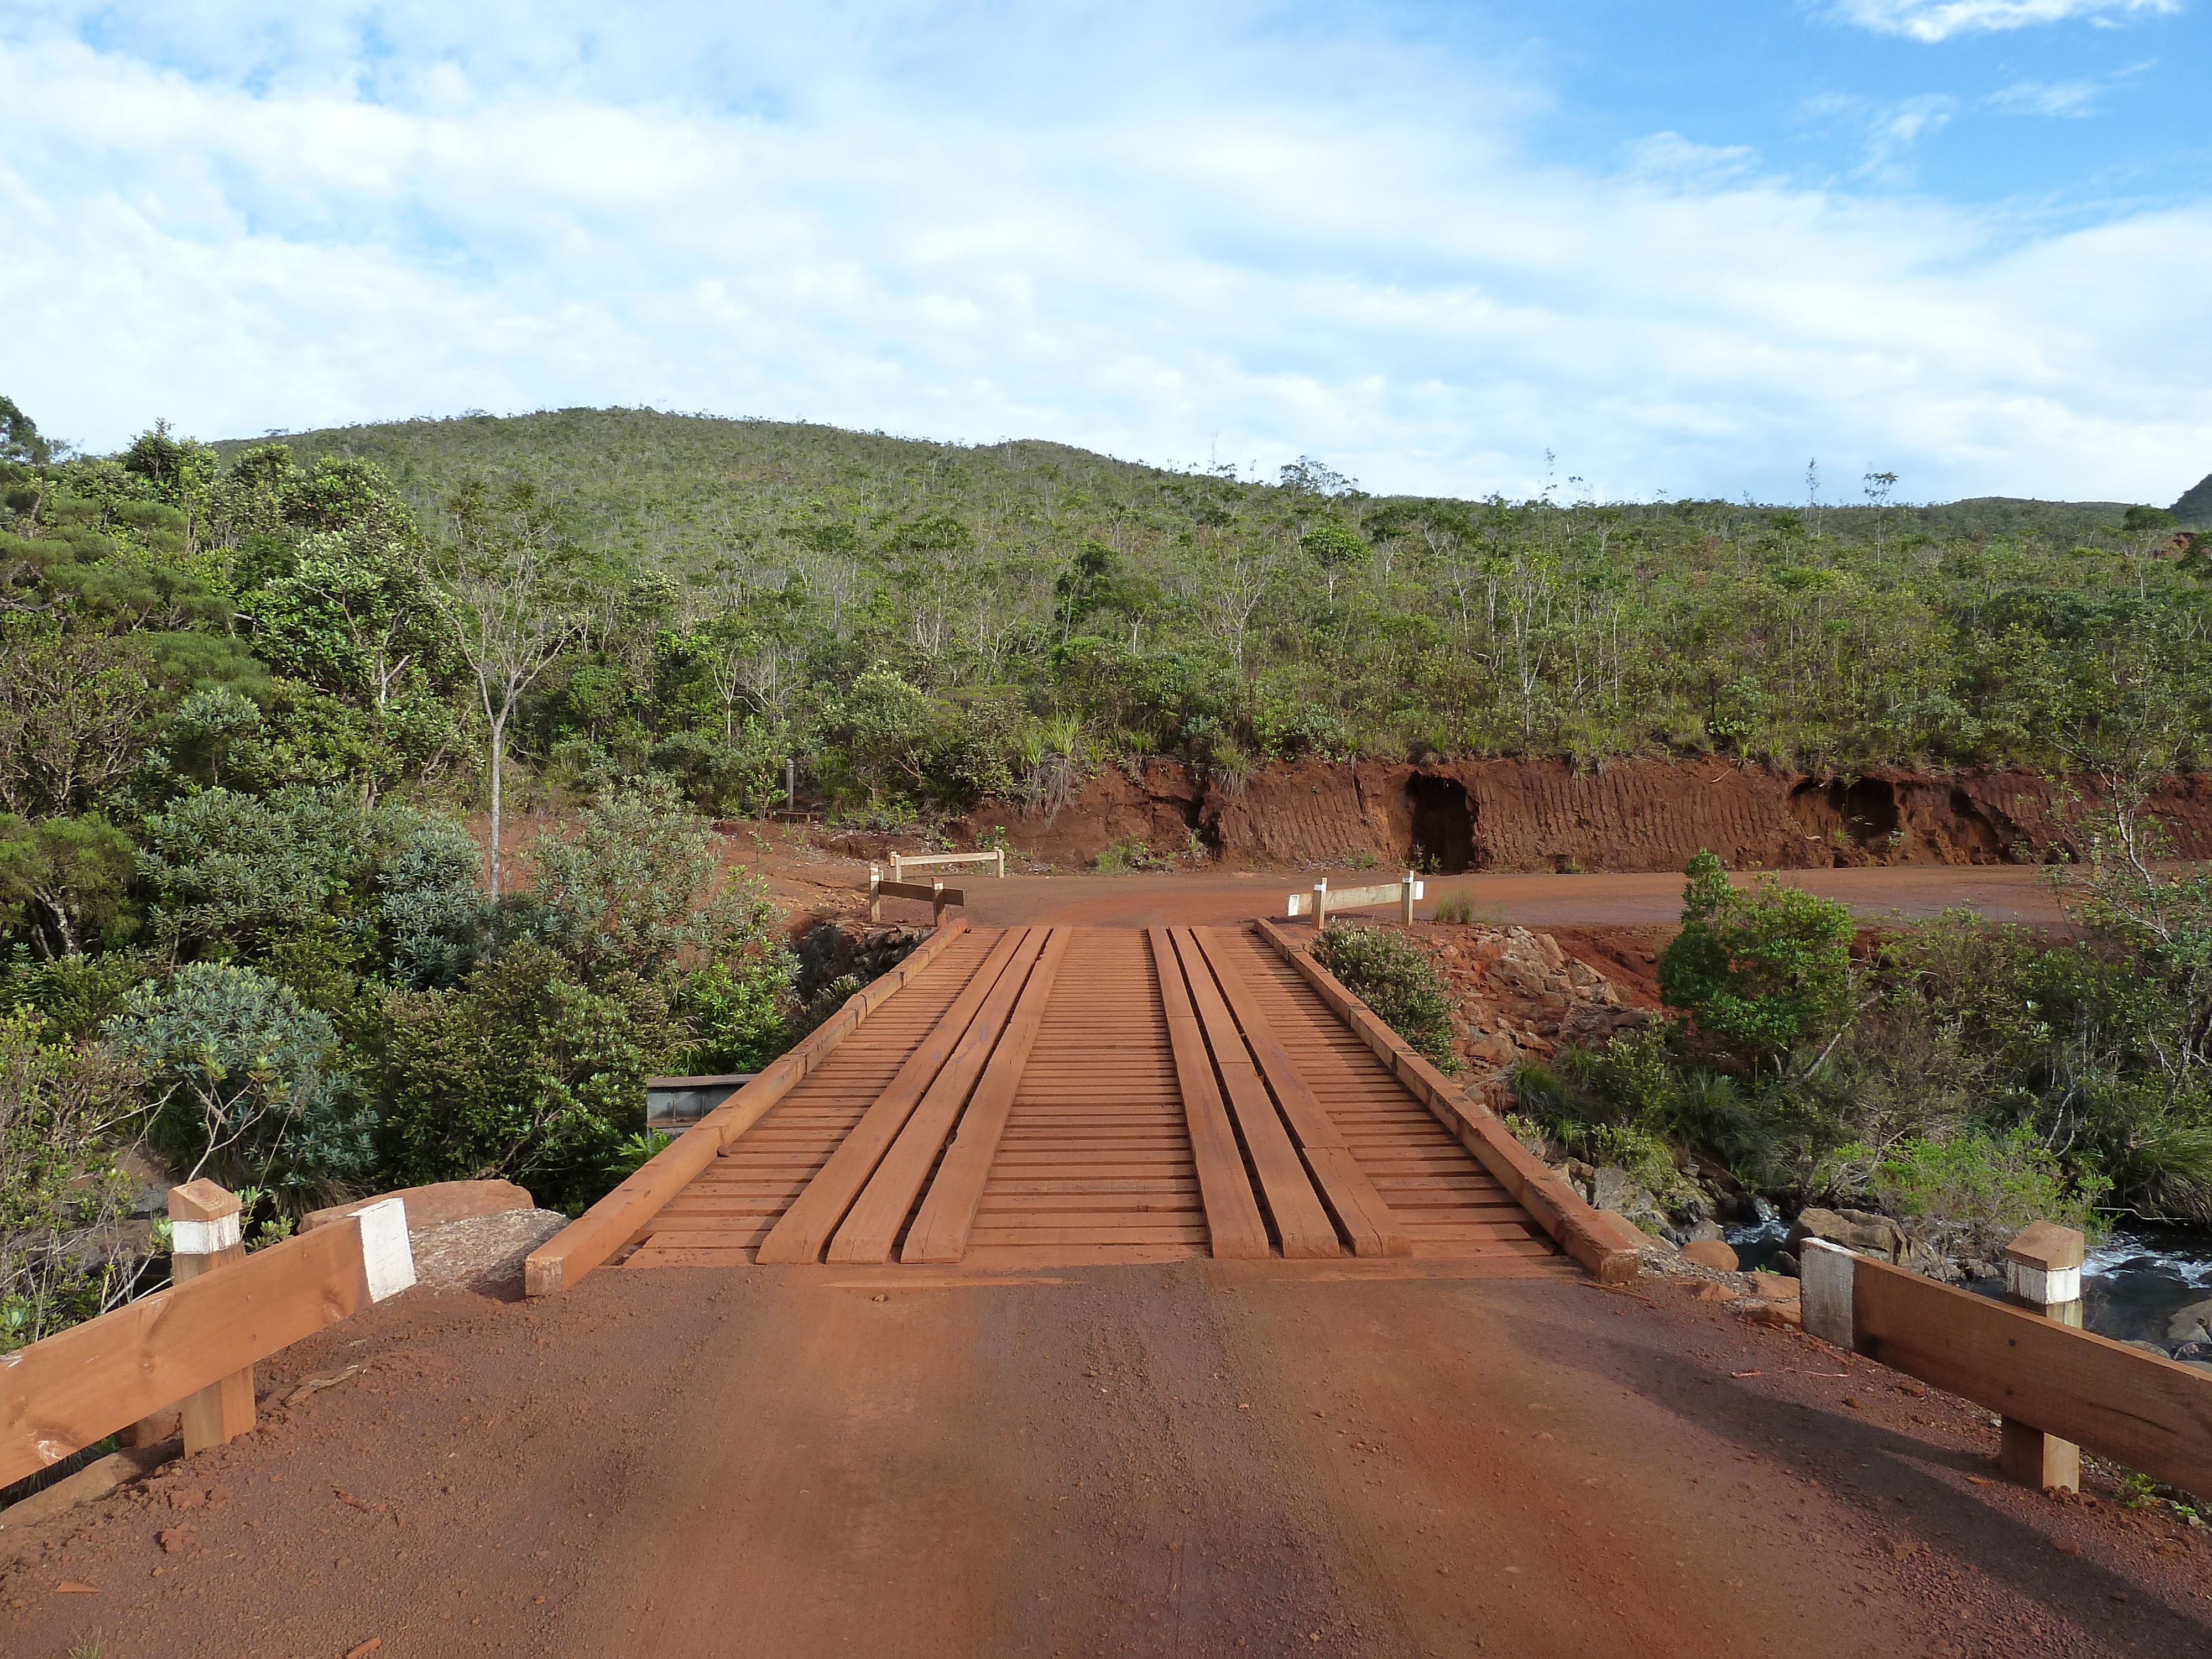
{"type": "Point", "coordinates": [1389, 972]}
{"type": "Point", "coordinates": [1760, 972]}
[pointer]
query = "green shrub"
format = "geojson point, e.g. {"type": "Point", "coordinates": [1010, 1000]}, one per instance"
{"type": "Point", "coordinates": [249, 1084]}
{"type": "Point", "coordinates": [521, 1072]}
{"type": "Point", "coordinates": [63, 1109]}
{"type": "Point", "coordinates": [1389, 972]}
{"type": "Point", "coordinates": [1760, 972]}
{"type": "Point", "coordinates": [1980, 1189]}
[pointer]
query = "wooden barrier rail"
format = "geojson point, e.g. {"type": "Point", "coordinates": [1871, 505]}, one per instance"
{"type": "Point", "coordinates": [903, 862]}
{"type": "Point", "coordinates": [1604, 1242]}
{"type": "Point", "coordinates": [937, 895]}
{"type": "Point", "coordinates": [1319, 902]}
{"type": "Point", "coordinates": [74, 1388]}
{"type": "Point", "coordinates": [609, 1224]}
{"type": "Point", "coordinates": [2043, 1376]}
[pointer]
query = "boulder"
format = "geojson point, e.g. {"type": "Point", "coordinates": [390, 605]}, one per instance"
{"type": "Point", "coordinates": [1611, 1189]}
{"type": "Point", "coordinates": [2191, 1324]}
{"type": "Point", "coordinates": [1709, 1253]}
{"type": "Point", "coordinates": [1854, 1230]}
{"type": "Point", "coordinates": [436, 1205]}
{"type": "Point", "coordinates": [1774, 1287]}
{"type": "Point", "coordinates": [483, 1253]}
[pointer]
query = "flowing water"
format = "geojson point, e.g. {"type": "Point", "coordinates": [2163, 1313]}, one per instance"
{"type": "Point", "coordinates": [2135, 1281]}
{"type": "Point", "coordinates": [2132, 1285]}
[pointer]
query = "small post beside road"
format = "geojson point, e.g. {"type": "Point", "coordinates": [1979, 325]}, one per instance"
{"type": "Point", "coordinates": [1321, 904]}
{"type": "Point", "coordinates": [791, 786]}
{"type": "Point", "coordinates": [937, 903]}
{"type": "Point", "coordinates": [1405, 913]}
{"type": "Point", "coordinates": [2043, 1271]}
{"type": "Point", "coordinates": [1001, 852]}
{"type": "Point", "coordinates": [875, 890]}
{"type": "Point", "coordinates": [206, 1234]}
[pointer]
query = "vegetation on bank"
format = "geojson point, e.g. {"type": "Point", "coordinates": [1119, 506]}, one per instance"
{"type": "Point", "coordinates": [1969, 1075]}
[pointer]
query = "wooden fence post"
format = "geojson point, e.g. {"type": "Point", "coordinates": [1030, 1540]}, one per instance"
{"type": "Point", "coordinates": [1321, 904]}
{"type": "Point", "coordinates": [2043, 1271]}
{"type": "Point", "coordinates": [937, 903]}
{"type": "Point", "coordinates": [205, 1234]}
{"type": "Point", "coordinates": [898, 868]}
{"type": "Point", "coordinates": [1001, 852]}
{"type": "Point", "coordinates": [876, 892]}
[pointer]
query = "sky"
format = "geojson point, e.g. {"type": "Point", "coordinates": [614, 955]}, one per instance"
{"type": "Point", "coordinates": [1617, 249]}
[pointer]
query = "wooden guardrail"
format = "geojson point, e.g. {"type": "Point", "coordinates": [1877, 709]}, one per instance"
{"type": "Point", "coordinates": [612, 1223]}
{"type": "Point", "coordinates": [1319, 902]}
{"type": "Point", "coordinates": [937, 895]}
{"type": "Point", "coordinates": [2055, 1386]}
{"type": "Point", "coordinates": [903, 862]}
{"type": "Point", "coordinates": [1603, 1242]}
{"type": "Point", "coordinates": [197, 1341]}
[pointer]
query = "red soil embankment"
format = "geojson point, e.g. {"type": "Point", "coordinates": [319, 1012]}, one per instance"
{"type": "Point", "coordinates": [1633, 815]}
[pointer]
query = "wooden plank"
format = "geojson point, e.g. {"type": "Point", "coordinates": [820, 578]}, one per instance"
{"type": "Point", "coordinates": [807, 1225]}
{"type": "Point", "coordinates": [926, 893]}
{"type": "Point", "coordinates": [2140, 1409]}
{"type": "Point", "coordinates": [940, 1232]}
{"type": "Point", "coordinates": [1238, 1231]}
{"type": "Point", "coordinates": [1606, 1245]}
{"type": "Point", "coordinates": [1301, 1224]}
{"type": "Point", "coordinates": [66, 1393]}
{"type": "Point", "coordinates": [612, 1223]}
{"type": "Point", "coordinates": [871, 1227]}
{"type": "Point", "coordinates": [1358, 1208]}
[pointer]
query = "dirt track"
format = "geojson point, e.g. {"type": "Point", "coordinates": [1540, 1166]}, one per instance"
{"type": "Point", "coordinates": [1213, 1458]}
{"type": "Point", "coordinates": [2002, 893]}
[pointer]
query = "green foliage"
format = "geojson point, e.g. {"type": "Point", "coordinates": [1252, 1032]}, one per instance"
{"type": "Point", "coordinates": [62, 1109]}
{"type": "Point", "coordinates": [63, 881]}
{"type": "Point", "coordinates": [1760, 972]}
{"type": "Point", "coordinates": [246, 1082]}
{"type": "Point", "coordinates": [637, 885]}
{"type": "Point", "coordinates": [635, 1151]}
{"type": "Point", "coordinates": [1389, 972]}
{"type": "Point", "coordinates": [738, 1013]}
{"type": "Point", "coordinates": [522, 1071]}
{"type": "Point", "coordinates": [1982, 1188]}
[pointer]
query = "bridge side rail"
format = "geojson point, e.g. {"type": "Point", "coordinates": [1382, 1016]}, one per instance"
{"type": "Point", "coordinates": [1603, 1242]}
{"type": "Point", "coordinates": [588, 1241]}
{"type": "Point", "coordinates": [903, 862]}
{"type": "Point", "coordinates": [2035, 1369]}
{"type": "Point", "coordinates": [72, 1389]}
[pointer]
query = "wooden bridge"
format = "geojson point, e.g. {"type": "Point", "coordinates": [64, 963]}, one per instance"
{"type": "Point", "coordinates": [1053, 1095]}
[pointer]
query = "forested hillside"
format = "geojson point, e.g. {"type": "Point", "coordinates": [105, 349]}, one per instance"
{"type": "Point", "coordinates": [253, 696]}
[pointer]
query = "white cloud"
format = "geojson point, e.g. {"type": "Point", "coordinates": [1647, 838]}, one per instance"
{"type": "Point", "coordinates": [2047, 98]}
{"type": "Point", "coordinates": [1144, 238]}
{"type": "Point", "coordinates": [1939, 20]}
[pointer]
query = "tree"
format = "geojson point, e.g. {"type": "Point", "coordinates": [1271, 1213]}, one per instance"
{"type": "Point", "coordinates": [1760, 972]}
{"type": "Point", "coordinates": [246, 1082]}
{"type": "Point", "coordinates": [62, 1254]}
{"type": "Point", "coordinates": [511, 597]}
{"type": "Point", "coordinates": [63, 879]}
{"type": "Point", "coordinates": [71, 710]}
{"type": "Point", "coordinates": [20, 439]}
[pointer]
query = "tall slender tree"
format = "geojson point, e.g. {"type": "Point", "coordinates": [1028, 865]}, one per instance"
{"type": "Point", "coordinates": [516, 601]}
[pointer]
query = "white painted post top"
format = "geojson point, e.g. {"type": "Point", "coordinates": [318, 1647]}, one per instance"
{"type": "Point", "coordinates": [2043, 1265]}
{"type": "Point", "coordinates": [203, 1218]}
{"type": "Point", "coordinates": [1826, 1274]}
{"type": "Point", "coordinates": [387, 1257]}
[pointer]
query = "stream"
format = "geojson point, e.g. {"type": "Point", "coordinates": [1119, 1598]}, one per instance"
{"type": "Point", "coordinates": [2132, 1285]}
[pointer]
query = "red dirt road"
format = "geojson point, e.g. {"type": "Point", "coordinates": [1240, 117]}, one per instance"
{"type": "Point", "coordinates": [2002, 893]}
{"type": "Point", "coordinates": [1204, 1458]}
